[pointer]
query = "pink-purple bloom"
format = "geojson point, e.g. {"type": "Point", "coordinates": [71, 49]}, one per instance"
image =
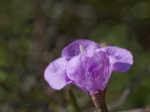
{"type": "Point", "coordinates": [86, 65]}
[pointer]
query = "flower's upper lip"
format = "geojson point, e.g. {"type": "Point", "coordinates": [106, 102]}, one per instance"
{"type": "Point", "coordinates": [73, 49]}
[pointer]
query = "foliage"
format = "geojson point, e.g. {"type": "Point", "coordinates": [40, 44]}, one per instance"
{"type": "Point", "coordinates": [25, 51]}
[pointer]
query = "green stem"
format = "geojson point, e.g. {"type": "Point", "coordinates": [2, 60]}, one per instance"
{"type": "Point", "coordinates": [73, 101]}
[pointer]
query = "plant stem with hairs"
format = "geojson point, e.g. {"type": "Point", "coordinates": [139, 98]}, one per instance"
{"type": "Point", "coordinates": [99, 101]}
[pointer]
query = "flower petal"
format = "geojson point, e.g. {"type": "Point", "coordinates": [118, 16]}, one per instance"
{"type": "Point", "coordinates": [89, 73]}
{"type": "Point", "coordinates": [121, 59]}
{"type": "Point", "coordinates": [55, 74]}
{"type": "Point", "coordinates": [73, 49]}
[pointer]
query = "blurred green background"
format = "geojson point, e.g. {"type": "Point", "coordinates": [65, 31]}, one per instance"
{"type": "Point", "coordinates": [33, 33]}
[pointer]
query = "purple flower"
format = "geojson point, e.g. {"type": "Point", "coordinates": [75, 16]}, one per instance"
{"type": "Point", "coordinates": [86, 65]}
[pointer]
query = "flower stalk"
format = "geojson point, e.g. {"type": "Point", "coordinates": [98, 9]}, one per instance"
{"type": "Point", "coordinates": [99, 101]}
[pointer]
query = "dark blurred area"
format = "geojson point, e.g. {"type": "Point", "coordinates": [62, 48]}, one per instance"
{"type": "Point", "coordinates": [33, 33]}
